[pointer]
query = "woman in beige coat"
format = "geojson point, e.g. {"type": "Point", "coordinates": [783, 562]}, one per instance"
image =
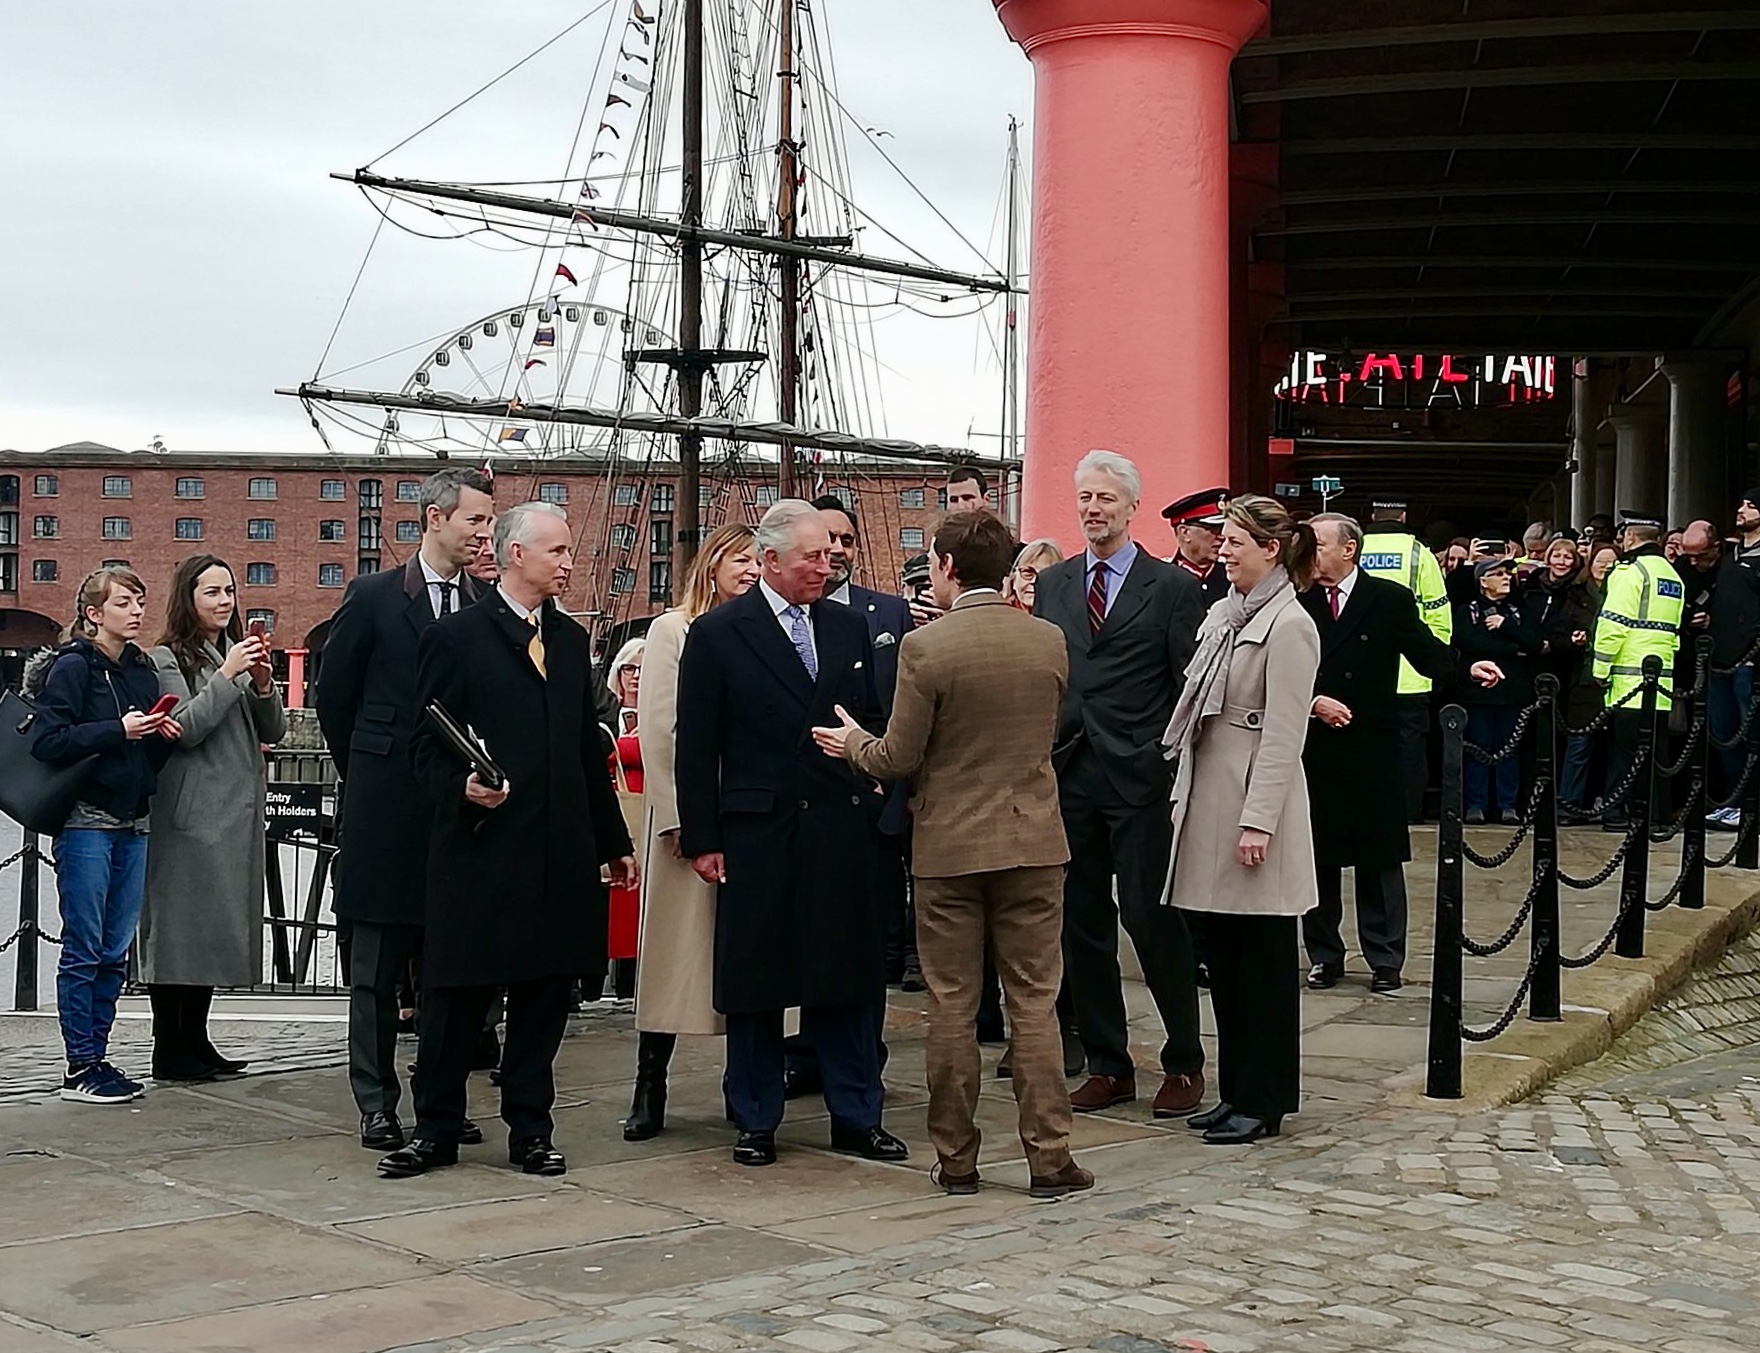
{"type": "Point", "coordinates": [1242, 850]}
{"type": "Point", "coordinates": [675, 973]}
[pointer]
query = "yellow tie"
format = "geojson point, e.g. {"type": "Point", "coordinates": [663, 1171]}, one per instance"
{"type": "Point", "coordinates": [535, 649]}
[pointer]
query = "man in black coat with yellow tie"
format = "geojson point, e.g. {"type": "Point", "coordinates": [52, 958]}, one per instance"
{"type": "Point", "coordinates": [514, 892]}
{"type": "Point", "coordinates": [1352, 755]}
{"type": "Point", "coordinates": [789, 835]}
{"type": "Point", "coordinates": [366, 703]}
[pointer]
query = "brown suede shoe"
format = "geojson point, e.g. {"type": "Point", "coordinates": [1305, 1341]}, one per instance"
{"type": "Point", "coordinates": [955, 1185]}
{"type": "Point", "coordinates": [1179, 1096]}
{"type": "Point", "coordinates": [1072, 1178]}
{"type": "Point", "coordinates": [1102, 1092]}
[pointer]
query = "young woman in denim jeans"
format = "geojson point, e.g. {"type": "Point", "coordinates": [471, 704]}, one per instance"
{"type": "Point", "coordinates": [95, 696]}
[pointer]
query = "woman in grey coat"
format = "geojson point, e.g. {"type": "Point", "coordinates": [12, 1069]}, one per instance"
{"type": "Point", "coordinates": [202, 924]}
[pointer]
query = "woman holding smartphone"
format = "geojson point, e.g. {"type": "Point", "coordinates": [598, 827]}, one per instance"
{"type": "Point", "coordinates": [97, 696]}
{"type": "Point", "coordinates": [202, 925]}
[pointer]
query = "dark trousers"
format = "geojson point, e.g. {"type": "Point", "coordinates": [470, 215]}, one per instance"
{"type": "Point", "coordinates": [1498, 788]}
{"type": "Point", "coordinates": [892, 885]}
{"type": "Point", "coordinates": [1381, 917]}
{"type": "Point", "coordinates": [1622, 748]}
{"type": "Point", "coordinates": [1414, 751]}
{"type": "Point", "coordinates": [452, 1022]}
{"type": "Point", "coordinates": [376, 958]}
{"type": "Point", "coordinates": [1109, 838]}
{"type": "Point", "coordinates": [1728, 697]}
{"type": "Point", "coordinates": [1258, 1012]}
{"type": "Point", "coordinates": [846, 1041]}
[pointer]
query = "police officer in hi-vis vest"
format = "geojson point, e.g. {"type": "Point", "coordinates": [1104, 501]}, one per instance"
{"type": "Point", "coordinates": [1640, 616]}
{"type": "Point", "coordinates": [1394, 553]}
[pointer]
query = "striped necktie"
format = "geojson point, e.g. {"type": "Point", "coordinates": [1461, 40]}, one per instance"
{"type": "Point", "coordinates": [535, 649]}
{"type": "Point", "coordinates": [802, 639]}
{"type": "Point", "coordinates": [1097, 598]}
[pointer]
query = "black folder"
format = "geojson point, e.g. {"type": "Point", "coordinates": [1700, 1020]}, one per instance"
{"type": "Point", "coordinates": [465, 743]}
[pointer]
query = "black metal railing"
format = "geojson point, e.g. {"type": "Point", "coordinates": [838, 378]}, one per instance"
{"type": "Point", "coordinates": [1639, 790]}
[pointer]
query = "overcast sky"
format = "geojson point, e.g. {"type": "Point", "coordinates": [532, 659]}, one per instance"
{"type": "Point", "coordinates": [172, 249]}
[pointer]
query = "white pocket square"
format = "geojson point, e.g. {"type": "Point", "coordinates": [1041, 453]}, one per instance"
{"type": "Point", "coordinates": [858, 667]}
{"type": "Point", "coordinates": [885, 640]}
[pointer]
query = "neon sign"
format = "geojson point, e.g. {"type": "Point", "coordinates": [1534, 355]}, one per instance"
{"type": "Point", "coordinates": [1391, 380]}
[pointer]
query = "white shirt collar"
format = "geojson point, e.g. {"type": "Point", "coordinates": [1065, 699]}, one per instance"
{"type": "Point", "coordinates": [841, 595]}
{"type": "Point", "coordinates": [976, 592]}
{"type": "Point", "coordinates": [432, 577]}
{"type": "Point", "coordinates": [778, 602]}
{"type": "Point", "coordinates": [523, 612]}
{"type": "Point", "coordinates": [1345, 585]}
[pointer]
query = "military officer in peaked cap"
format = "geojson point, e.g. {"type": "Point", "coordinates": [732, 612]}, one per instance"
{"type": "Point", "coordinates": [1196, 520]}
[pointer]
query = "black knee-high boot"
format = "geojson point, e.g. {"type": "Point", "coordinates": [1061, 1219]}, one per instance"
{"type": "Point", "coordinates": [197, 1002]}
{"type": "Point", "coordinates": [173, 1058]}
{"type": "Point", "coordinates": [647, 1110]}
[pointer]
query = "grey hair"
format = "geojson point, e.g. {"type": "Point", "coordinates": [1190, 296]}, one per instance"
{"type": "Point", "coordinates": [777, 530]}
{"type": "Point", "coordinates": [1119, 467]}
{"type": "Point", "coordinates": [630, 655]}
{"type": "Point", "coordinates": [442, 488]}
{"type": "Point", "coordinates": [1036, 549]}
{"type": "Point", "coordinates": [1535, 536]}
{"type": "Point", "coordinates": [1348, 527]}
{"type": "Point", "coordinates": [515, 524]}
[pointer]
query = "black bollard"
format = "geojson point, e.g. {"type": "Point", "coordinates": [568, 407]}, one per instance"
{"type": "Point", "coordinates": [1634, 882]}
{"type": "Point", "coordinates": [1544, 995]}
{"type": "Point", "coordinates": [1444, 1078]}
{"type": "Point", "coordinates": [24, 972]}
{"type": "Point", "coordinates": [1692, 892]}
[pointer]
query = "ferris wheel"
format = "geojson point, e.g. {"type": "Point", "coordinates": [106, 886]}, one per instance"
{"type": "Point", "coordinates": [545, 352]}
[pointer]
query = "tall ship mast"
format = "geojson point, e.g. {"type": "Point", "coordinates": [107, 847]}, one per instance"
{"type": "Point", "coordinates": [706, 318]}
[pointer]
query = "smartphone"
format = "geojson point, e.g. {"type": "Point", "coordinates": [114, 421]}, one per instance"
{"type": "Point", "coordinates": [164, 705]}
{"type": "Point", "coordinates": [257, 629]}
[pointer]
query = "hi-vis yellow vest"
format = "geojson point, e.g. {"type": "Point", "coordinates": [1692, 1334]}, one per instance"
{"type": "Point", "coordinates": [1640, 615]}
{"type": "Point", "coordinates": [1391, 552]}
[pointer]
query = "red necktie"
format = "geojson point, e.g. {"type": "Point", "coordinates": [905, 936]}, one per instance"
{"type": "Point", "coordinates": [1332, 599]}
{"type": "Point", "coordinates": [1097, 599]}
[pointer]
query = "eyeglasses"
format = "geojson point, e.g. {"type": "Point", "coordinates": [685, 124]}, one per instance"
{"type": "Point", "coordinates": [1026, 573]}
{"type": "Point", "coordinates": [845, 538]}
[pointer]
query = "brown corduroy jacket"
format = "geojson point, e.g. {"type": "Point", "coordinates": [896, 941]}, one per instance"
{"type": "Point", "coordinates": [972, 723]}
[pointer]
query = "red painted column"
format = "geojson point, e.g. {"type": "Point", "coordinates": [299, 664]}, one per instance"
{"type": "Point", "coordinates": [1130, 343]}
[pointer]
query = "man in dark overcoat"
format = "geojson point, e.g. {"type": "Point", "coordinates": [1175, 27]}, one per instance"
{"type": "Point", "coordinates": [514, 892]}
{"type": "Point", "coordinates": [789, 835]}
{"type": "Point", "coordinates": [366, 702]}
{"type": "Point", "coordinates": [1352, 755]}
{"type": "Point", "coordinates": [1130, 622]}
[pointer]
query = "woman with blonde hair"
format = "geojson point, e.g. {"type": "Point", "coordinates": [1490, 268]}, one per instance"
{"type": "Point", "coordinates": [675, 974]}
{"type": "Point", "coordinates": [1022, 582]}
{"type": "Point", "coordinates": [1243, 851]}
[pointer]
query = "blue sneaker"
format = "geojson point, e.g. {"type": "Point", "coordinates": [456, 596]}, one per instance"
{"type": "Point", "coordinates": [96, 1084]}
{"type": "Point", "coordinates": [134, 1087]}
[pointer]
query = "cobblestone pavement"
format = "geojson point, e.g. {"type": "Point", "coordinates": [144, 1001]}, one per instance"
{"type": "Point", "coordinates": [243, 1216]}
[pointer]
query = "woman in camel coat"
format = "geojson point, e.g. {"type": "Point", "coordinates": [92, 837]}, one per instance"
{"type": "Point", "coordinates": [1242, 850]}
{"type": "Point", "coordinates": [675, 971]}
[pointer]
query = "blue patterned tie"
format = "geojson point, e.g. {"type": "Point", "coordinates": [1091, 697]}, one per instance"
{"type": "Point", "coordinates": [803, 640]}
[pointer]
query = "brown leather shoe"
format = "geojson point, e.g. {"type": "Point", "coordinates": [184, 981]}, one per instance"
{"type": "Point", "coordinates": [1179, 1096]}
{"type": "Point", "coordinates": [1072, 1178]}
{"type": "Point", "coordinates": [1102, 1092]}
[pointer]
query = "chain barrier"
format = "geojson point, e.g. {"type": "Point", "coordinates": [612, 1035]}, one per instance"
{"type": "Point", "coordinates": [1694, 732]}
{"type": "Point", "coordinates": [1743, 729]}
{"type": "Point", "coordinates": [1515, 928]}
{"type": "Point", "coordinates": [1750, 823]}
{"type": "Point", "coordinates": [1603, 719]}
{"type": "Point", "coordinates": [28, 928]}
{"type": "Point", "coordinates": [1606, 871]}
{"type": "Point", "coordinates": [1741, 785]}
{"type": "Point", "coordinates": [1514, 745]}
{"type": "Point", "coordinates": [1601, 946]}
{"type": "Point", "coordinates": [1504, 856]}
{"type": "Point", "coordinates": [1689, 857]}
{"type": "Point", "coordinates": [1508, 1017]}
{"type": "Point", "coordinates": [1678, 823]}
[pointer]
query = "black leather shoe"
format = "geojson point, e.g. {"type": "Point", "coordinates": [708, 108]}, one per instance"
{"type": "Point", "coordinates": [799, 1081]}
{"type": "Point", "coordinates": [755, 1148]}
{"type": "Point", "coordinates": [420, 1156]}
{"type": "Point", "coordinates": [1324, 976]}
{"type": "Point", "coordinates": [1075, 1056]}
{"type": "Point", "coordinates": [1385, 980]}
{"type": "Point", "coordinates": [381, 1131]}
{"type": "Point", "coordinates": [1238, 1129]}
{"type": "Point", "coordinates": [470, 1134]}
{"type": "Point", "coordinates": [1203, 1122]}
{"type": "Point", "coordinates": [912, 981]}
{"type": "Point", "coordinates": [535, 1155]}
{"type": "Point", "coordinates": [874, 1143]}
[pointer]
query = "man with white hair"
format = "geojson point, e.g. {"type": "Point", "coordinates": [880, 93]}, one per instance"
{"type": "Point", "coordinates": [1131, 623]}
{"type": "Point", "coordinates": [789, 836]}
{"type": "Point", "coordinates": [513, 859]}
